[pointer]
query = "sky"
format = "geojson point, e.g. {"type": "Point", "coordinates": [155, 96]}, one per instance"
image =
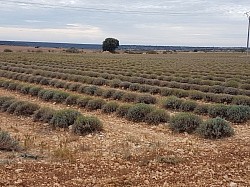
{"type": "Point", "coordinates": [141, 22]}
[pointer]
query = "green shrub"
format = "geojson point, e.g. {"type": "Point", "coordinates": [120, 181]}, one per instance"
{"type": "Point", "coordinates": [180, 93]}
{"type": "Point", "coordinates": [74, 86]}
{"type": "Point", "coordinates": [129, 97]}
{"type": "Point", "coordinates": [238, 113]}
{"type": "Point", "coordinates": [166, 91]}
{"type": "Point", "coordinates": [188, 106]}
{"type": "Point", "coordinates": [117, 95]}
{"type": "Point", "coordinates": [110, 107]}
{"type": "Point", "coordinates": [43, 115]}
{"type": "Point", "coordinates": [232, 83]}
{"type": "Point", "coordinates": [99, 81]}
{"type": "Point", "coordinates": [11, 109]}
{"type": "Point", "coordinates": [72, 99]}
{"type": "Point", "coordinates": [122, 110]}
{"type": "Point", "coordinates": [46, 95]}
{"type": "Point", "coordinates": [134, 87]}
{"type": "Point", "coordinates": [215, 128]}
{"type": "Point", "coordinates": [218, 110]}
{"type": "Point", "coordinates": [7, 50]}
{"type": "Point", "coordinates": [146, 98]}
{"type": "Point", "coordinates": [34, 91]}
{"type": "Point", "coordinates": [125, 85]}
{"type": "Point", "coordinates": [25, 89]}
{"type": "Point", "coordinates": [241, 100]}
{"type": "Point", "coordinates": [5, 105]}
{"type": "Point", "coordinates": [84, 125]}
{"type": "Point", "coordinates": [99, 92]}
{"type": "Point", "coordinates": [115, 83]}
{"type": "Point", "coordinates": [108, 93]}
{"type": "Point", "coordinates": [25, 108]}
{"type": "Point", "coordinates": [154, 90]}
{"type": "Point", "coordinates": [184, 122]}
{"type": "Point", "coordinates": [59, 96]}
{"type": "Point", "coordinates": [245, 86]}
{"type": "Point", "coordinates": [83, 101]}
{"type": "Point", "coordinates": [90, 90]}
{"type": "Point", "coordinates": [157, 116]}
{"type": "Point", "coordinates": [95, 104]}
{"type": "Point", "coordinates": [64, 118]}
{"type": "Point", "coordinates": [201, 109]}
{"type": "Point", "coordinates": [172, 102]}
{"type": "Point", "coordinates": [12, 86]}
{"type": "Point", "coordinates": [7, 143]}
{"type": "Point", "coordinates": [3, 99]}
{"type": "Point", "coordinates": [197, 95]}
{"type": "Point", "coordinates": [139, 112]}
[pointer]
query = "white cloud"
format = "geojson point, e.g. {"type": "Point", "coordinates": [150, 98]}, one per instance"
{"type": "Point", "coordinates": [80, 34]}
{"type": "Point", "coordinates": [176, 22]}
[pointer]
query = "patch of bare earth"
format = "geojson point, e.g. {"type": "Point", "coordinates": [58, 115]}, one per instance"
{"type": "Point", "coordinates": [124, 154]}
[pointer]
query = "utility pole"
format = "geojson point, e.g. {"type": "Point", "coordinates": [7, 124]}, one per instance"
{"type": "Point", "coordinates": [248, 17]}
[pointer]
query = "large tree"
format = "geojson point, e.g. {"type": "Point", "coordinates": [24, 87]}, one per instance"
{"type": "Point", "coordinates": [110, 44]}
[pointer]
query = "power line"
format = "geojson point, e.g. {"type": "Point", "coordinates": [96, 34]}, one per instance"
{"type": "Point", "coordinates": [91, 9]}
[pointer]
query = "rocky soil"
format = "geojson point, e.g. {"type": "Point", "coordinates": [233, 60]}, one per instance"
{"type": "Point", "coordinates": [124, 154]}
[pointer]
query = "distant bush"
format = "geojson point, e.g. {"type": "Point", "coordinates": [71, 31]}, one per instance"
{"type": "Point", "coordinates": [25, 108]}
{"type": "Point", "coordinates": [110, 107]}
{"type": "Point", "coordinates": [238, 113]}
{"type": "Point", "coordinates": [95, 104]}
{"type": "Point", "coordinates": [232, 83]}
{"type": "Point", "coordinates": [184, 122]}
{"type": "Point", "coordinates": [117, 95]}
{"type": "Point", "coordinates": [8, 143]}
{"type": "Point", "coordinates": [99, 81]}
{"type": "Point", "coordinates": [72, 99]}
{"type": "Point", "coordinates": [197, 95]}
{"type": "Point", "coordinates": [84, 125]}
{"type": "Point", "coordinates": [5, 105]}
{"type": "Point", "coordinates": [154, 90]}
{"type": "Point", "coordinates": [7, 50]}
{"type": "Point", "coordinates": [34, 91]}
{"type": "Point", "coordinates": [59, 96]}
{"type": "Point", "coordinates": [90, 90]}
{"type": "Point", "coordinates": [72, 50]}
{"type": "Point", "coordinates": [115, 83]}
{"type": "Point", "coordinates": [83, 101]}
{"type": "Point", "coordinates": [64, 118]}
{"type": "Point", "coordinates": [46, 95]}
{"type": "Point", "coordinates": [215, 128]}
{"type": "Point", "coordinates": [129, 97]}
{"type": "Point", "coordinates": [146, 98]}
{"type": "Point", "coordinates": [125, 85]}
{"type": "Point", "coordinates": [172, 102]}
{"type": "Point", "coordinates": [241, 100]}
{"type": "Point", "coordinates": [25, 89]}
{"type": "Point", "coordinates": [157, 116]}
{"type": "Point", "coordinates": [139, 112]}
{"type": "Point", "coordinates": [122, 110]}
{"type": "Point", "coordinates": [201, 109]}
{"type": "Point", "coordinates": [134, 87]}
{"type": "Point", "coordinates": [43, 115]}
{"type": "Point", "coordinates": [217, 89]}
{"type": "Point", "coordinates": [74, 86]}
{"type": "Point", "coordinates": [166, 91]}
{"type": "Point", "coordinates": [107, 93]}
{"type": "Point", "coordinates": [188, 106]}
{"type": "Point", "coordinates": [218, 110]}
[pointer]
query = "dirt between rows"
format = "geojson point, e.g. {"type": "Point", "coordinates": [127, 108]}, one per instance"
{"type": "Point", "coordinates": [124, 154]}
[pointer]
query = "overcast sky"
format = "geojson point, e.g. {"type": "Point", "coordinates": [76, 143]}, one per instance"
{"type": "Point", "coordinates": [146, 22]}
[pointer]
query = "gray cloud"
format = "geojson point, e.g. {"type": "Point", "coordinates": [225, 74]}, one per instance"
{"type": "Point", "coordinates": [172, 22]}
